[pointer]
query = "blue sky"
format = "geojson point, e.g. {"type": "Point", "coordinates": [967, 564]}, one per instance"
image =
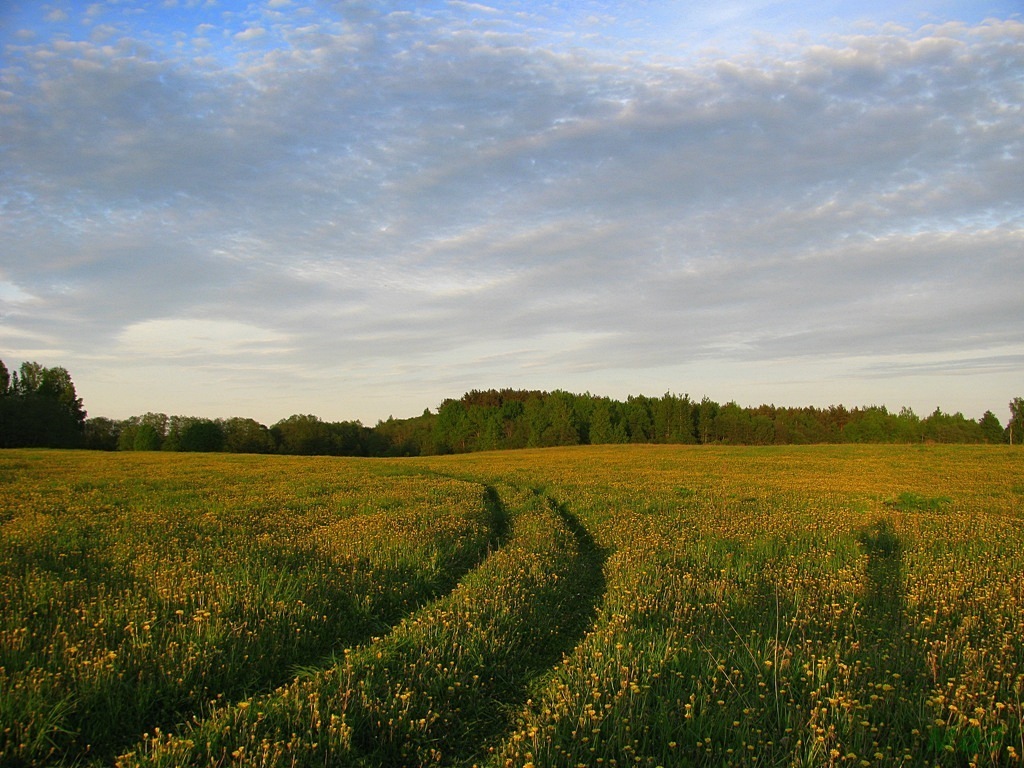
{"type": "Point", "coordinates": [359, 209]}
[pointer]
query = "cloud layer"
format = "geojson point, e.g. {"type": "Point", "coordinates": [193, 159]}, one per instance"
{"type": "Point", "coordinates": [357, 212]}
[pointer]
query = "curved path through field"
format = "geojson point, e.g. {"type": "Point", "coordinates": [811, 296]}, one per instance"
{"type": "Point", "coordinates": [445, 683]}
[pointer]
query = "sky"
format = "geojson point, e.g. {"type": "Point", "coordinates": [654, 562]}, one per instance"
{"type": "Point", "coordinates": [359, 209]}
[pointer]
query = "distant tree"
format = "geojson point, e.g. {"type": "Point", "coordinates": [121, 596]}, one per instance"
{"type": "Point", "coordinates": [680, 427]}
{"type": "Point", "coordinates": [153, 428]}
{"type": "Point", "coordinates": [562, 427]}
{"type": "Point", "coordinates": [302, 434]}
{"type": "Point", "coordinates": [537, 419]}
{"type": "Point", "coordinates": [706, 414]}
{"type": "Point", "coordinates": [762, 429]}
{"type": "Point", "coordinates": [348, 438]}
{"type": "Point", "coordinates": [639, 419]}
{"type": "Point", "coordinates": [873, 424]}
{"type": "Point", "coordinates": [732, 425]}
{"type": "Point", "coordinates": [951, 428]}
{"type": "Point", "coordinates": [201, 435]}
{"type": "Point", "coordinates": [101, 434]}
{"type": "Point", "coordinates": [40, 407]}
{"type": "Point", "coordinates": [1015, 428]}
{"type": "Point", "coordinates": [452, 428]}
{"type": "Point", "coordinates": [246, 436]}
{"type": "Point", "coordinates": [991, 428]}
{"type": "Point", "coordinates": [908, 426]}
{"type": "Point", "coordinates": [601, 422]}
{"type": "Point", "coordinates": [515, 433]}
{"type": "Point", "coordinates": [403, 437]}
{"type": "Point", "coordinates": [172, 435]}
{"type": "Point", "coordinates": [146, 438]}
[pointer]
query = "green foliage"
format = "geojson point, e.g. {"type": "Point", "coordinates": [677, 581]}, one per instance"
{"type": "Point", "coordinates": [991, 429]}
{"type": "Point", "coordinates": [308, 435]}
{"type": "Point", "coordinates": [146, 438]}
{"type": "Point", "coordinates": [246, 436]}
{"type": "Point", "coordinates": [39, 407]}
{"type": "Point", "coordinates": [101, 434]}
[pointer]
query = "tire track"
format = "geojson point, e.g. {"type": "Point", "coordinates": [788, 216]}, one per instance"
{"type": "Point", "coordinates": [444, 683]}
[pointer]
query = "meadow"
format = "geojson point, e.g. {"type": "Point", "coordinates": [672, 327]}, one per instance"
{"type": "Point", "coordinates": [591, 606]}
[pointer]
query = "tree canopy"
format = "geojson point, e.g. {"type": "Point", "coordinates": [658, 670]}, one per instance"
{"type": "Point", "coordinates": [39, 407]}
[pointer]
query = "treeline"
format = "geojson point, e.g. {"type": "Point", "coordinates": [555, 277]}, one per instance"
{"type": "Point", "coordinates": [299, 434]}
{"type": "Point", "coordinates": [39, 407]}
{"type": "Point", "coordinates": [495, 420]}
{"type": "Point", "coordinates": [500, 420]}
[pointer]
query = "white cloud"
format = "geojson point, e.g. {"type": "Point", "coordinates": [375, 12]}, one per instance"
{"type": "Point", "coordinates": [390, 189]}
{"type": "Point", "coordinates": [12, 294]}
{"type": "Point", "coordinates": [181, 337]}
{"type": "Point", "coordinates": [250, 33]}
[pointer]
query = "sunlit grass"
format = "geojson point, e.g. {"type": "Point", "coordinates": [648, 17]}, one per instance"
{"type": "Point", "coordinates": [136, 593]}
{"type": "Point", "coordinates": [612, 606]}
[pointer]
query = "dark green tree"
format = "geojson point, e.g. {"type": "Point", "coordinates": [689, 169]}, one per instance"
{"type": "Point", "coordinates": [732, 425]}
{"type": "Point", "coordinates": [601, 422]}
{"type": "Point", "coordinates": [706, 414]}
{"type": "Point", "coordinates": [29, 378]}
{"type": "Point", "coordinates": [201, 435]}
{"type": "Point", "coordinates": [303, 434]}
{"type": "Point", "coordinates": [762, 429]}
{"type": "Point", "coordinates": [101, 434]}
{"type": "Point", "coordinates": [452, 429]}
{"type": "Point", "coordinates": [246, 436]}
{"type": "Point", "coordinates": [873, 424]}
{"type": "Point", "coordinates": [639, 420]}
{"type": "Point", "coordinates": [991, 429]}
{"type": "Point", "coordinates": [537, 419]}
{"type": "Point", "coordinates": [562, 427]}
{"type": "Point", "coordinates": [40, 407]}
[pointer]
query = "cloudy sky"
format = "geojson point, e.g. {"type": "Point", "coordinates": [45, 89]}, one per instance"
{"type": "Point", "coordinates": [357, 209]}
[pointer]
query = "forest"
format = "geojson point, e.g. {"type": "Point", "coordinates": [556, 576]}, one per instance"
{"type": "Point", "coordinates": [39, 407]}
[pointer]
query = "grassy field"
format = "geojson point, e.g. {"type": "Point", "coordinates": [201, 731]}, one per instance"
{"type": "Point", "coordinates": [597, 606]}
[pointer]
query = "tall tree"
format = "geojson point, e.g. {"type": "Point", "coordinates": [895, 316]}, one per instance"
{"type": "Point", "coordinates": [246, 436]}
{"type": "Point", "coordinates": [40, 407]}
{"type": "Point", "coordinates": [101, 434]}
{"type": "Point", "coordinates": [706, 414]}
{"type": "Point", "coordinates": [1016, 425]}
{"type": "Point", "coordinates": [991, 428]}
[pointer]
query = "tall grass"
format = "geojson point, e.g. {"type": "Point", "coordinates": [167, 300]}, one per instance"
{"type": "Point", "coordinates": [599, 606]}
{"type": "Point", "coordinates": [131, 601]}
{"type": "Point", "coordinates": [433, 690]}
{"type": "Point", "coordinates": [786, 608]}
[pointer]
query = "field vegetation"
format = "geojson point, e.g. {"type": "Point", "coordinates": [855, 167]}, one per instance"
{"type": "Point", "coordinates": [597, 606]}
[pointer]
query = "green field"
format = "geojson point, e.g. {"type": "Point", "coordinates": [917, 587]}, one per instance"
{"type": "Point", "coordinates": [594, 606]}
